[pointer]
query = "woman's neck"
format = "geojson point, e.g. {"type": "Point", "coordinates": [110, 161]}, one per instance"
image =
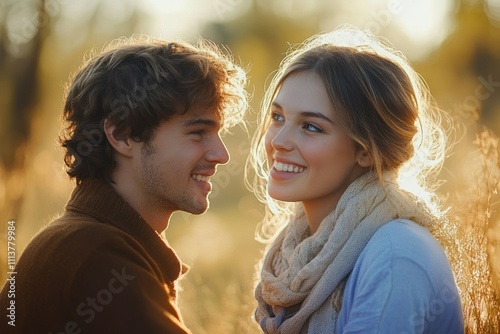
{"type": "Point", "coordinates": [316, 212]}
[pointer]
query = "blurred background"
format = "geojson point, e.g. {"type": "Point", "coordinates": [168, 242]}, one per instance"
{"type": "Point", "coordinates": [454, 44]}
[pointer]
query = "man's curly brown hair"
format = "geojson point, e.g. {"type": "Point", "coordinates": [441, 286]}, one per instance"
{"type": "Point", "coordinates": [137, 83]}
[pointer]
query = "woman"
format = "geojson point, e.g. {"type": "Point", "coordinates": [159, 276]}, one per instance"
{"type": "Point", "coordinates": [345, 146]}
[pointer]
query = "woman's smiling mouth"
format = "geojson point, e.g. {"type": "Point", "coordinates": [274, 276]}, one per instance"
{"type": "Point", "coordinates": [290, 168]}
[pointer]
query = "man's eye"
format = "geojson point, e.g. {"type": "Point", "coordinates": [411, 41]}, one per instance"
{"type": "Point", "coordinates": [197, 133]}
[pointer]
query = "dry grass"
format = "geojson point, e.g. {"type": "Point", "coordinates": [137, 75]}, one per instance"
{"type": "Point", "coordinates": [471, 226]}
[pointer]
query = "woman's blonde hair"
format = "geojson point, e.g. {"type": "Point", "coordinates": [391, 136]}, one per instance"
{"type": "Point", "coordinates": [380, 101]}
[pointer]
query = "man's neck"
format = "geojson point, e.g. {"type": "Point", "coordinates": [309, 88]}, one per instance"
{"type": "Point", "coordinates": [157, 218]}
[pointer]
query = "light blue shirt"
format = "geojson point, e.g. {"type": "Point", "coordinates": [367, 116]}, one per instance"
{"type": "Point", "coordinates": [401, 283]}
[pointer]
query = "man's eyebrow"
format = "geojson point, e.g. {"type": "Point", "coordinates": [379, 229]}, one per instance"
{"type": "Point", "coordinates": [201, 121]}
{"type": "Point", "coordinates": [314, 114]}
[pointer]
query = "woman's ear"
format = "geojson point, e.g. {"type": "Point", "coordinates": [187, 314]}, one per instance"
{"type": "Point", "coordinates": [121, 145]}
{"type": "Point", "coordinates": [364, 159]}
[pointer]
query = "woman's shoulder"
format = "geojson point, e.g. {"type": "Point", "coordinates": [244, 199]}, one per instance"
{"type": "Point", "coordinates": [400, 276]}
{"type": "Point", "coordinates": [399, 229]}
{"type": "Point", "coordinates": [405, 251]}
{"type": "Point", "coordinates": [403, 238]}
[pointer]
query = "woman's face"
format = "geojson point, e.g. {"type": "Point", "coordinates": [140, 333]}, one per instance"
{"type": "Point", "coordinates": [311, 158]}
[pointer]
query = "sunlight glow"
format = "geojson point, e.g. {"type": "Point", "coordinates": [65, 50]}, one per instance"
{"type": "Point", "coordinates": [172, 19]}
{"type": "Point", "coordinates": [493, 11]}
{"type": "Point", "coordinates": [426, 22]}
{"type": "Point", "coordinates": [420, 25]}
{"type": "Point", "coordinates": [415, 26]}
{"type": "Point", "coordinates": [177, 18]}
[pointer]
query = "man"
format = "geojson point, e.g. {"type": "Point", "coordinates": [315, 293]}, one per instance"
{"type": "Point", "coordinates": [142, 141]}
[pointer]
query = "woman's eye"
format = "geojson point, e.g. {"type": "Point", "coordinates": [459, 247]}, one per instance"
{"type": "Point", "coordinates": [277, 117]}
{"type": "Point", "coordinates": [312, 128]}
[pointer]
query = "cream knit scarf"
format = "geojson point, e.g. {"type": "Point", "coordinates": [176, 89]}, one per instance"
{"type": "Point", "coordinates": [300, 272]}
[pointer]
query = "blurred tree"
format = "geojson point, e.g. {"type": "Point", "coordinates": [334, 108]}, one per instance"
{"type": "Point", "coordinates": [22, 31]}
{"type": "Point", "coordinates": [26, 27]}
{"type": "Point", "coordinates": [464, 73]}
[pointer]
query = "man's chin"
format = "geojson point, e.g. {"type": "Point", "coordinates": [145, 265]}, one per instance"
{"type": "Point", "coordinates": [198, 209]}
{"type": "Point", "coordinates": [198, 212]}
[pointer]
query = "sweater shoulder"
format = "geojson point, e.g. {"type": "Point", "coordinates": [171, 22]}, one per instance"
{"type": "Point", "coordinates": [77, 229]}
{"type": "Point", "coordinates": [71, 240]}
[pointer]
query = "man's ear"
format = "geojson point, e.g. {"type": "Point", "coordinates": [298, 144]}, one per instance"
{"type": "Point", "coordinates": [364, 159]}
{"type": "Point", "coordinates": [121, 145]}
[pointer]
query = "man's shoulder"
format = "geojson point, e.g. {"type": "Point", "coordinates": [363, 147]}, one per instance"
{"type": "Point", "coordinates": [71, 243]}
{"type": "Point", "coordinates": [75, 225]}
{"type": "Point", "coordinates": [77, 235]}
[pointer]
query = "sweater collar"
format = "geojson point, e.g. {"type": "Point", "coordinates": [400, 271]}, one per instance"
{"type": "Point", "coordinates": [99, 199]}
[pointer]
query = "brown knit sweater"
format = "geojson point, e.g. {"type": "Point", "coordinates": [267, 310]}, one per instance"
{"type": "Point", "coordinates": [100, 268]}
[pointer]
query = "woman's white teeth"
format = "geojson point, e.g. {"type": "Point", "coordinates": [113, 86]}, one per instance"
{"type": "Point", "coordinates": [200, 177]}
{"type": "Point", "coordinates": [287, 168]}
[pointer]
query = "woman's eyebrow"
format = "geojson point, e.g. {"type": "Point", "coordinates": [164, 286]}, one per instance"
{"type": "Point", "coordinates": [314, 114]}
{"type": "Point", "coordinates": [277, 105]}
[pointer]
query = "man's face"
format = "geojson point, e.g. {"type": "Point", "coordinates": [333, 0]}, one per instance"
{"type": "Point", "coordinates": [175, 167]}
